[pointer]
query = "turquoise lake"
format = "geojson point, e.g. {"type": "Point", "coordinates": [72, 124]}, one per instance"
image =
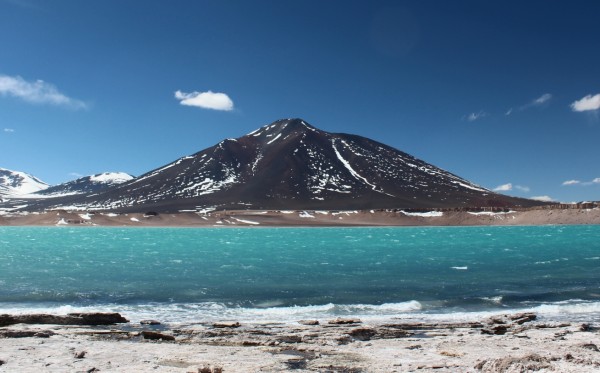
{"type": "Point", "coordinates": [183, 274]}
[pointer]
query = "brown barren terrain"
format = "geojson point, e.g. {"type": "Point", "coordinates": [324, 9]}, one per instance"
{"type": "Point", "coordinates": [570, 215]}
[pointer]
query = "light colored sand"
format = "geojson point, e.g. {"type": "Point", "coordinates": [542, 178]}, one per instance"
{"type": "Point", "coordinates": [301, 348]}
{"type": "Point", "coordinates": [306, 218]}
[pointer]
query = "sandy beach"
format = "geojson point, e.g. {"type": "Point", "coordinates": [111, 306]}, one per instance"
{"type": "Point", "coordinates": [253, 218]}
{"type": "Point", "coordinates": [502, 343]}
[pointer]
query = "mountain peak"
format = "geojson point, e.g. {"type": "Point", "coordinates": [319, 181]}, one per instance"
{"type": "Point", "coordinates": [283, 128]}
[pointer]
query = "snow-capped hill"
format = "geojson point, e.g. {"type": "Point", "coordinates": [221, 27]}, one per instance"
{"type": "Point", "coordinates": [87, 184]}
{"type": "Point", "coordinates": [289, 164]}
{"type": "Point", "coordinates": [16, 183]}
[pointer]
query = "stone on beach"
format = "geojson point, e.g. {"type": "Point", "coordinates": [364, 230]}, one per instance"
{"type": "Point", "coordinates": [157, 336]}
{"type": "Point", "coordinates": [26, 333]}
{"type": "Point", "coordinates": [95, 318]}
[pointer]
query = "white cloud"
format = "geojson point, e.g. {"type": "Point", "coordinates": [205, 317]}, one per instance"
{"type": "Point", "coordinates": [504, 187]}
{"type": "Point", "coordinates": [542, 99]}
{"type": "Point", "coordinates": [475, 116]}
{"type": "Point", "coordinates": [543, 198]}
{"type": "Point", "coordinates": [75, 174]}
{"type": "Point", "coordinates": [206, 100]}
{"type": "Point", "coordinates": [509, 112]}
{"type": "Point", "coordinates": [9, 130]}
{"type": "Point", "coordinates": [535, 102]}
{"type": "Point", "coordinates": [509, 186]}
{"type": "Point", "coordinates": [583, 183]}
{"type": "Point", "coordinates": [38, 92]}
{"type": "Point", "coordinates": [587, 103]}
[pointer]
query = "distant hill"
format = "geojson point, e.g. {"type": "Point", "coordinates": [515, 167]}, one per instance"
{"type": "Point", "coordinates": [87, 184]}
{"type": "Point", "coordinates": [17, 183]}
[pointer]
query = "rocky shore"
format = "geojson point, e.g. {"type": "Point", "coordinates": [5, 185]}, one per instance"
{"type": "Point", "coordinates": [571, 215]}
{"type": "Point", "coordinates": [504, 343]}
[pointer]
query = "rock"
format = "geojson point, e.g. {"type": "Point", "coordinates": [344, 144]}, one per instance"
{"type": "Point", "coordinates": [149, 322]}
{"type": "Point", "coordinates": [296, 363]}
{"type": "Point", "coordinates": [342, 321]}
{"type": "Point", "coordinates": [343, 340]}
{"type": "Point", "coordinates": [157, 336]}
{"type": "Point", "coordinates": [96, 318]}
{"type": "Point", "coordinates": [2, 362]}
{"type": "Point", "coordinates": [362, 334]}
{"type": "Point", "coordinates": [585, 327]}
{"type": "Point", "coordinates": [521, 318]}
{"type": "Point", "coordinates": [79, 355]}
{"type": "Point", "coordinates": [309, 322]}
{"type": "Point", "coordinates": [290, 339]}
{"type": "Point", "coordinates": [527, 363]}
{"type": "Point", "coordinates": [495, 330]}
{"type": "Point", "coordinates": [26, 333]}
{"type": "Point", "coordinates": [590, 346]}
{"type": "Point", "coordinates": [210, 369]}
{"type": "Point", "coordinates": [230, 324]}
{"type": "Point", "coordinates": [516, 318]}
{"type": "Point", "coordinates": [250, 343]}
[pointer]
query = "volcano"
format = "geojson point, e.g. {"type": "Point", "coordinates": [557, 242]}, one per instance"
{"type": "Point", "coordinates": [289, 164]}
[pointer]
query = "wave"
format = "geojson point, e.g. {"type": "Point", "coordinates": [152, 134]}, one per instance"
{"type": "Point", "coordinates": [212, 311]}
{"type": "Point", "coordinates": [200, 313]}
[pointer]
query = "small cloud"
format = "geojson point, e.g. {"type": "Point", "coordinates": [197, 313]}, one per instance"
{"type": "Point", "coordinates": [475, 116]}
{"type": "Point", "coordinates": [504, 187]}
{"type": "Point", "coordinates": [595, 181]}
{"type": "Point", "coordinates": [543, 198]}
{"type": "Point", "coordinates": [535, 102]}
{"type": "Point", "coordinates": [588, 103]}
{"type": "Point", "coordinates": [38, 92]}
{"type": "Point", "coordinates": [206, 100]}
{"type": "Point", "coordinates": [509, 112]}
{"type": "Point", "coordinates": [509, 186]}
{"type": "Point", "coordinates": [75, 174]}
{"type": "Point", "coordinates": [9, 130]}
{"type": "Point", "coordinates": [542, 99]}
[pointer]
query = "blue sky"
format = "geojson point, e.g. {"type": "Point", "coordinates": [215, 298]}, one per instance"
{"type": "Point", "coordinates": [505, 94]}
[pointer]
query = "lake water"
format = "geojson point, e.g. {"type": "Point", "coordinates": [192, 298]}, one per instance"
{"type": "Point", "coordinates": [285, 274]}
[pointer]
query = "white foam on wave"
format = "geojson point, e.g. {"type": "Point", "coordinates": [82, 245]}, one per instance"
{"type": "Point", "coordinates": [200, 313]}
{"type": "Point", "coordinates": [212, 311]}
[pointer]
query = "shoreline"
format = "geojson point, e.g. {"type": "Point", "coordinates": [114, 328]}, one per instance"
{"type": "Point", "coordinates": [499, 343]}
{"type": "Point", "coordinates": [307, 218]}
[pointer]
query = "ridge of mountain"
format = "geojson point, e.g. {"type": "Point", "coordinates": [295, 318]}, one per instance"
{"type": "Point", "coordinates": [289, 164]}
